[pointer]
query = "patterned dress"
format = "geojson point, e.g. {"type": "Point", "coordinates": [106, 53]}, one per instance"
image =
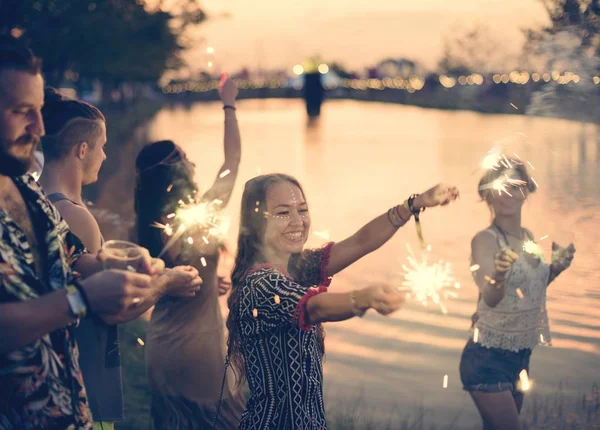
{"type": "Point", "coordinates": [282, 353]}
{"type": "Point", "coordinates": [41, 385]}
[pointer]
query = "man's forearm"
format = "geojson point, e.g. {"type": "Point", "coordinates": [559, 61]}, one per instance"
{"type": "Point", "coordinates": [24, 322]}
{"type": "Point", "coordinates": [87, 265]}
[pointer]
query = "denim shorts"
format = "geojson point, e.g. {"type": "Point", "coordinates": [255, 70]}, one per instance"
{"type": "Point", "coordinates": [492, 370]}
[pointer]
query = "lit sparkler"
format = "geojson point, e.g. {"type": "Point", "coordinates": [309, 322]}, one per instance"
{"type": "Point", "coordinates": [532, 248]}
{"type": "Point", "coordinates": [194, 216]}
{"type": "Point", "coordinates": [429, 282]}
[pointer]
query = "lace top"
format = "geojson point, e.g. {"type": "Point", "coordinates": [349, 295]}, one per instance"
{"type": "Point", "coordinates": [520, 320]}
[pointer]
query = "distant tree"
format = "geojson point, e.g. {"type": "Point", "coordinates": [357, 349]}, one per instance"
{"type": "Point", "coordinates": [468, 51]}
{"type": "Point", "coordinates": [109, 40]}
{"type": "Point", "coordinates": [340, 70]}
{"type": "Point", "coordinates": [572, 22]}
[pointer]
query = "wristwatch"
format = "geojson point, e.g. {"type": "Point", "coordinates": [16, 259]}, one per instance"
{"type": "Point", "coordinates": [76, 302]}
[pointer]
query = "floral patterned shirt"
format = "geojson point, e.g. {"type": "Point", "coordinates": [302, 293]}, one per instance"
{"type": "Point", "coordinates": [41, 383]}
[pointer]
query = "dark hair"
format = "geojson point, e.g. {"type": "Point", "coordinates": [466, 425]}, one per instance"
{"type": "Point", "coordinates": [15, 55]}
{"type": "Point", "coordinates": [161, 181]}
{"type": "Point", "coordinates": [505, 164]}
{"type": "Point", "coordinates": [251, 233]}
{"type": "Point", "coordinates": [67, 123]}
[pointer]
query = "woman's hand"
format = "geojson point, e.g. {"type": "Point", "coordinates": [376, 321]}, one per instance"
{"type": "Point", "coordinates": [224, 285]}
{"type": "Point", "coordinates": [227, 90]}
{"type": "Point", "coordinates": [503, 261]}
{"type": "Point", "coordinates": [561, 257]}
{"type": "Point", "coordinates": [181, 281]}
{"type": "Point", "coordinates": [384, 299]}
{"type": "Point", "coordinates": [441, 194]}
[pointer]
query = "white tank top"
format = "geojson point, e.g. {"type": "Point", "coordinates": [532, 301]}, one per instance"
{"type": "Point", "coordinates": [520, 320]}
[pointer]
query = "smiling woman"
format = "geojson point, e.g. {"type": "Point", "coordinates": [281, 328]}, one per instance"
{"type": "Point", "coordinates": [278, 303]}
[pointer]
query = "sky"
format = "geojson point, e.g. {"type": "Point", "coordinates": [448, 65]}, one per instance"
{"type": "Point", "coordinates": [281, 33]}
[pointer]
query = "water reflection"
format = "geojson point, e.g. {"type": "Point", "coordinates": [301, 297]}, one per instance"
{"type": "Point", "coordinates": [362, 158]}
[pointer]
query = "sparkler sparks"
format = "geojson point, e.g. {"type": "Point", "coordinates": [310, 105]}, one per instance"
{"type": "Point", "coordinates": [428, 282]}
{"type": "Point", "coordinates": [475, 335]}
{"type": "Point", "coordinates": [192, 217]}
{"type": "Point", "coordinates": [525, 384]}
{"type": "Point", "coordinates": [530, 247]}
{"type": "Point", "coordinates": [224, 173]}
{"type": "Point", "coordinates": [474, 267]}
{"type": "Point", "coordinates": [445, 383]}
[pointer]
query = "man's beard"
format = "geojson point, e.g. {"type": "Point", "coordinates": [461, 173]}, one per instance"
{"type": "Point", "coordinates": [17, 166]}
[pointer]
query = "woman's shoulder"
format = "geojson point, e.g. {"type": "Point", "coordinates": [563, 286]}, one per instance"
{"type": "Point", "coordinates": [485, 238]}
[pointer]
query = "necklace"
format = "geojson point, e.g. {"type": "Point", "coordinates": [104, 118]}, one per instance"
{"type": "Point", "coordinates": [520, 237]}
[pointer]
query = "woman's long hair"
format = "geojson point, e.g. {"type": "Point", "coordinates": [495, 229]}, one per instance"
{"type": "Point", "coordinates": [161, 181]}
{"type": "Point", "coordinates": [252, 230]}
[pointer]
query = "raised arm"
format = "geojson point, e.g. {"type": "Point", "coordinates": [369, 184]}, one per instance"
{"type": "Point", "coordinates": [379, 230]}
{"type": "Point", "coordinates": [223, 185]}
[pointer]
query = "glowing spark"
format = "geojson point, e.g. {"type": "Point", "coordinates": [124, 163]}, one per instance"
{"type": "Point", "coordinates": [190, 240]}
{"type": "Point", "coordinates": [490, 161]}
{"type": "Point", "coordinates": [490, 280]}
{"type": "Point", "coordinates": [544, 237]}
{"type": "Point", "coordinates": [200, 216]}
{"type": "Point", "coordinates": [445, 383]}
{"type": "Point", "coordinates": [474, 267]}
{"type": "Point", "coordinates": [524, 380]}
{"type": "Point", "coordinates": [165, 227]}
{"type": "Point", "coordinates": [210, 64]}
{"type": "Point", "coordinates": [277, 299]}
{"type": "Point", "coordinates": [256, 210]}
{"type": "Point", "coordinates": [255, 313]}
{"type": "Point", "coordinates": [534, 181]}
{"type": "Point", "coordinates": [475, 335]}
{"type": "Point", "coordinates": [323, 234]}
{"type": "Point", "coordinates": [140, 341]}
{"type": "Point", "coordinates": [520, 293]}
{"type": "Point", "coordinates": [169, 188]}
{"type": "Point", "coordinates": [516, 155]}
{"type": "Point", "coordinates": [210, 50]}
{"type": "Point", "coordinates": [530, 247]}
{"type": "Point", "coordinates": [203, 261]}
{"type": "Point", "coordinates": [541, 338]}
{"type": "Point", "coordinates": [131, 269]}
{"type": "Point", "coordinates": [531, 165]}
{"type": "Point", "coordinates": [224, 173]}
{"type": "Point", "coordinates": [427, 282]}
{"type": "Point", "coordinates": [514, 107]}
{"type": "Point", "coordinates": [205, 240]}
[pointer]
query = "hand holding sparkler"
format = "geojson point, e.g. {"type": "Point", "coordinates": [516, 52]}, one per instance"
{"type": "Point", "coordinates": [382, 298]}
{"type": "Point", "coordinates": [181, 281]}
{"type": "Point", "coordinates": [503, 260]}
{"type": "Point", "coordinates": [439, 195]}
{"type": "Point", "coordinates": [561, 257]}
{"type": "Point", "coordinates": [227, 91]}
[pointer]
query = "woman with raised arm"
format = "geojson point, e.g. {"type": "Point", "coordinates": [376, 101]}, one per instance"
{"type": "Point", "coordinates": [185, 344]}
{"type": "Point", "coordinates": [280, 299]}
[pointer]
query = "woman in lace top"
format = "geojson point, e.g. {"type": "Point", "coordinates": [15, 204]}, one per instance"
{"type": "Point", "coordinates": [511, 317]}
{"type": "Point", "coordinates": [278, 302]}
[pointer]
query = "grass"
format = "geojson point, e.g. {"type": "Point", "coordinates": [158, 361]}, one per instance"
{"type": "Point", "coordinates": [558, 410]}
